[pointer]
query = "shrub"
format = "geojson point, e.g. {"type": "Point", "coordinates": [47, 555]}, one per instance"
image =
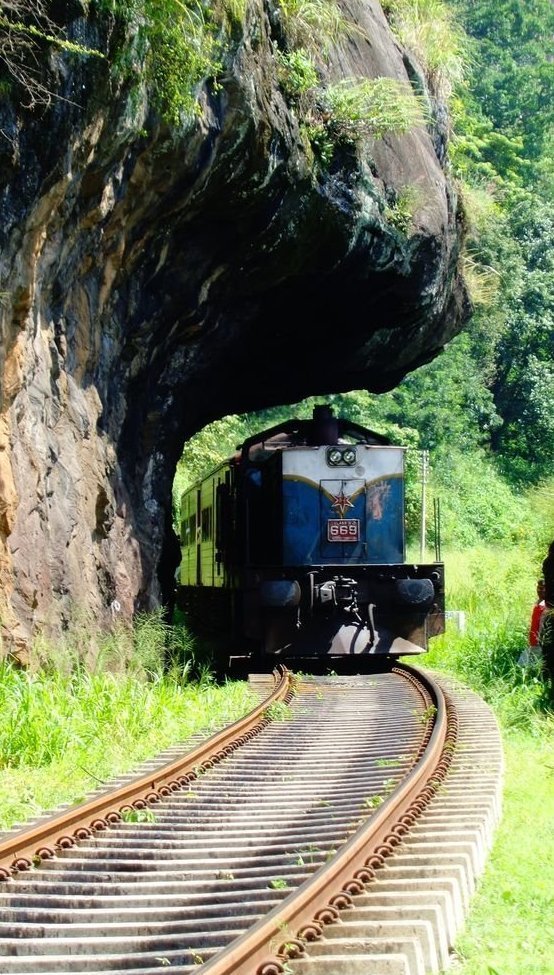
{"type": "Point", "coordinates": [373, 106]}
{"type": "Point", "coordinates": [400, 212]}
{"type": "Point", "coordinates": [231, 10]}
{"type": "Point", "coordinates": [170, 45]}
{"type": "Point", "coordinates": [296, 72]}
{"type": "Point", "coordinates": [320, 141]}
{"type": "Point", "coordinates": [181, 54]}
{"type": "Point", "coordinates": [477, 504]}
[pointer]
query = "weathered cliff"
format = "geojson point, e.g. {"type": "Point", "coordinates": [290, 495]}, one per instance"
{"type": "Point", "coordinates": [154, 277]}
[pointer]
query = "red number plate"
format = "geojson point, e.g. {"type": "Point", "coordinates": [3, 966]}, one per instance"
{"type": "Point", "coordinates": [343, 530]}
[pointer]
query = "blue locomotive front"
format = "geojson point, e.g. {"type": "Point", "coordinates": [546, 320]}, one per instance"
{"type": "Point", "coordinates": [296, 546]}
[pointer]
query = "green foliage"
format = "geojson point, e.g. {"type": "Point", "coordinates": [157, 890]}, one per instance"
{"type": "Point", "coordinates": [296, 72]}
{"type": "Point", "coordinates": [481, 213]}
{"type": "Point", "coordinates": [373, 802]}
{"type": "Point", "coordinates": [446, 401]}
{"type": "Point", "coordinates": [321, 142]}
{"type": "Point", "coordinates": [512, 342]}
{"type": "Point", "coordinates": [182, 54]}
{"type": "Point", "coordinates": [146, 650]}
{"type": "Point", "coordinates": [502, 148]}
{"type": "Point", "coordinates": [150, 638]}
{"type": "Point", "coordinates": [345, 112]}
{"type": "Point", "coordinates": [29, 30]}
{"type": "Point", "coordinates": [233, 11]}
{"type": "Point", "coordinates": [175, 44]}
{"type": "Point", "coordinates": [480, 153]}
{"type": "Point", "coordinates": [495, 587]}
{"type": "Point", "coordinates": [278, 883]}
{"type": "Point", "coordinates": [138, 816]}
{"type": "Point", "coordinates": [523, 384]}
{"type": "Point", "coordinates": [278, 711]}
{"type": "Point", "coordinates": [509, 931]}
{"type": "Point", "coordinates": [476, 503]}
{"type": "Point", "coordinates": [349, 109]}
{"type": "Point", "coordinates": [430, 30]}
{"type": "Point", "coordinates": [400, 211]}
{"type": "Point", "coordinates": [373, 106]}
{"type": "Point", "coordinates": [57, 725]}
{"type": "Point", "coordinates": [315, 25]}
{"type": "Point", "coordinates": [540, 500]}
{"type": "Point", "coordinates": [513, 76]}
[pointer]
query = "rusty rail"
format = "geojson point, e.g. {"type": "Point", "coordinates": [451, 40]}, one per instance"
{"type": "Point", "coordinates": [62, 830]}
{"type": "Point", "coordinates": [282, 933]}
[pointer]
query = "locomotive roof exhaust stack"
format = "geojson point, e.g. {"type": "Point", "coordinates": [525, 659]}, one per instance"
{"type": "Point", "coordinates": [324, 428]}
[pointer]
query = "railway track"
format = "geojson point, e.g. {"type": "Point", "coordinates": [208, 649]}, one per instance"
{"type": "Point", "coordinates": [338, 828]}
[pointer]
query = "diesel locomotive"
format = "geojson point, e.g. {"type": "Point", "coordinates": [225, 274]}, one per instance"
{"type": "Point", "coordinates": [295, 547]}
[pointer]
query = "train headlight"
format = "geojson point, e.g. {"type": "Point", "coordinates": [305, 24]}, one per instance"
{"type": "Point", "coordinates": [341, 456]}
{"type": "Point", "coordinates": [349, 456]}
{"type": "Point", "coordinates": [334, 456]}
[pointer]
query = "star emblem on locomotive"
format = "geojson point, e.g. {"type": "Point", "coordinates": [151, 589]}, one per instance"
{"type": "Point", "coordinates": [341, 502]}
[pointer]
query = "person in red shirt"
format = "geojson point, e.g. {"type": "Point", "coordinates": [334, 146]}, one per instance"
{"type": "Point", "coordinates": [532, 656]}
{"type": "Point", "coordinates": [536, 615]}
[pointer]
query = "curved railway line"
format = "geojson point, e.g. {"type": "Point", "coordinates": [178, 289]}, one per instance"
{"type": "Point", "coordinates": [337, 828]}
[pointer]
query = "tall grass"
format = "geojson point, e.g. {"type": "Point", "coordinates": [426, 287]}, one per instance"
{"type": "Point", "coordinates": [374, 106]}
{"type": "Point", "coordinates": [495, 588]}
{"type": "Point", "coordinates": [430, 30]}
{"type": "Point", "coordinates": [65, 730]}
{"type": "Point", "coordinates": [316, 25]}
{"type": "Point", "coordinates": [508, 930]}
{"type": "Point", "coordinates": [42, 715]}
{"type": "Point", "coordinates": [148, 649]}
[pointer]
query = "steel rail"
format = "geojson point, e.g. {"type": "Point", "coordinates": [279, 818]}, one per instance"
{"type": "Point", "coordinates": [283, 933]}
{"type": "Point", "coordinates": [27, 846]}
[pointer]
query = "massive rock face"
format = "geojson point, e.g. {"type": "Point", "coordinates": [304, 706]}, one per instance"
{"type": "Point", "coordinates": [153, 280]}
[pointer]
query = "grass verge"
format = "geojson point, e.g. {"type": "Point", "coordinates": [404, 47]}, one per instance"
{"type": "Point", "coordinates": [64, 734]}
{"type": "Point", "coordinates": [509, 931]}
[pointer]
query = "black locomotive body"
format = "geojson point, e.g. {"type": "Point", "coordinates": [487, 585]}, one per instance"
{"type": "Point", "coordinates": [295, 547]}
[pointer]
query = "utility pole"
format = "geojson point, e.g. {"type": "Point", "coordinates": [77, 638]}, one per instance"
{"type": "Point", "coordinates": [424, 474]}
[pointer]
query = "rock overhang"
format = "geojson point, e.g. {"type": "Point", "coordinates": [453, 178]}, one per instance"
{"type": "Point", "coordinates": [157, 280]}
